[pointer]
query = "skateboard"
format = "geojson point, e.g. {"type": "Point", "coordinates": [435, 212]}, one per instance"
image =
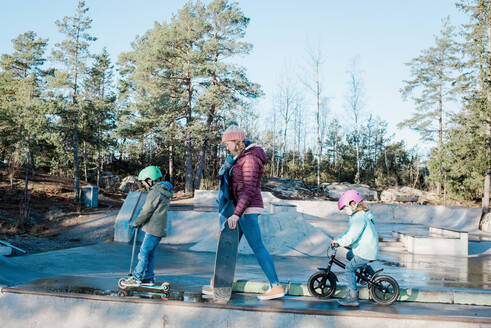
{"type": "Point", "coordinates": [225, 261]}
{"type": "Point", "coordinates": [156, 289]}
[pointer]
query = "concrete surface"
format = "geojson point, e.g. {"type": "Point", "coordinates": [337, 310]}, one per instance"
{"type": "Point", "coordinates": [75, 287]}
{"type": "Point", "coordinates": [100, 266]}
{"type": "Point", "coordinates": [22, 308]}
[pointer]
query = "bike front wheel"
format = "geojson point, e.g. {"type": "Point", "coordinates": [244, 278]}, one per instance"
{"type": "Point", "coordinates": [384, 290]}
{"type": "Point", "coordinates": [322, 284]}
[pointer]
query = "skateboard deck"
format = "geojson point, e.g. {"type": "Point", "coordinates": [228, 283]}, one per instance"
{"type": "Point", "coordinates": [225, 261]}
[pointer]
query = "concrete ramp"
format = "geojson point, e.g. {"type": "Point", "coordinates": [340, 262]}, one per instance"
{"type": "Point", "coordinates": [12, 274]}
{"type": "Point", "coordinates": [129, 211]}
{"type": "Point", "coordinates": [283, 233]}
{"type": "Point", "coordinates": [449, 217]}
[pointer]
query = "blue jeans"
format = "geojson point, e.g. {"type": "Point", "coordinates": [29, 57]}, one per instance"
{"type": "Point", "coordinates": [146, 258]}
{"type": "Point", "coordinates": [354, 263]}
{"type": "Point", "coordinates": [249, 227]}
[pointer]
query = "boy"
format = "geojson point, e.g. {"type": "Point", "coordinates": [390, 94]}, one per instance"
{"type": "Point", "coordinates": [153, 220]}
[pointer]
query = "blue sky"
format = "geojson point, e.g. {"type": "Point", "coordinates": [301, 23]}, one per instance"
{"type": "Point", "coordinates": [383, 34]}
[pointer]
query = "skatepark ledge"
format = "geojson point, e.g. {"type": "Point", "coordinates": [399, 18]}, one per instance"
{"type": "Point", "coordinates": [446, 296]}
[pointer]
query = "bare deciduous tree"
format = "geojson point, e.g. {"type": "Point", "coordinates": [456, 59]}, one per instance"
{"type": "Point", "coordinates": [354, 102]}
{"type": "Point", "coordinates": [314, 84]}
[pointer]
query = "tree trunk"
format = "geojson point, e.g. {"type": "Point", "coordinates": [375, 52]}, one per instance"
{"type": "Point", "coordinates": [487, 175]}
{"type": "Point", "coordinates": [75, 156]}
{"type": "Point", "coordinates": [171, 164]}
{"type": "Point", "coordinates": [204, 147]}
{"type": "Point", "coordinates": [201, 165]}
{"type": "Point", "coordinates": [387, 165]}
{"type": "Point", "coordinates": [319, 142]}
{"type": "Point", "coordinates": [273, 159]}
{"type": "Point", "coordinates": [440, 139]}
{"type": "Point", "coordinates": [357, 177]}
{"type": "Point", "coordinates": [75, 130]}
{"type": "Point", "coordinates": [189, 168]}
{"type": "Point", "coordinates": [188, 185]}
{"type": "Point", "coordinates": [86, 173]}
{"type": "Point", "coordinates": [26, 206]}
{"type": "Point", "coordinates": [99, 165]}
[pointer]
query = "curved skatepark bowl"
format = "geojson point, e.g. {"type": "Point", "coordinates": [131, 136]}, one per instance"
{"type": "Point", "coordinates": [77, 287]}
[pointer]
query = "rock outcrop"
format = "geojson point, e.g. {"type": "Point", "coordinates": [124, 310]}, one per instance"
{"type": "Point", "coordinates": [335, 190]}
{"type": "Point", "coordinates": [130, 183]}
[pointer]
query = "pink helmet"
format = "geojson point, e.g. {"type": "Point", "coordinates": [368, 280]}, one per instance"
{"type": "Point", "coordinates": [347, 197]}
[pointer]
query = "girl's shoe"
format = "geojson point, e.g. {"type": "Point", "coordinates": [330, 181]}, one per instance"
{"type": "Point", "coordinates": [131, 282]}
{"type": "Point", "coordinates": [351, 299]}
{"type": "Point", "coordinates": [276, 291]}
{"type": "Point", "coordinates": [349, 302]}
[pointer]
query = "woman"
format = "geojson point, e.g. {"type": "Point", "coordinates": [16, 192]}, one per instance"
{"type": "Point", "coordinates": [246, 175]}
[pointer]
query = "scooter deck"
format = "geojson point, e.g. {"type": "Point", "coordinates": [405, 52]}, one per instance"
{"type": "Point", "coordinates": [157, 289]}
{"type": "Point", "coordinates": [225, 262]}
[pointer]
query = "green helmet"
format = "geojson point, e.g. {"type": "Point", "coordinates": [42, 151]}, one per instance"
{"type": "Point", "coordinates": [150, 172]}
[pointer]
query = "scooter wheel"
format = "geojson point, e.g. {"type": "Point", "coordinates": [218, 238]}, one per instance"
{"type": "Point", "coordinates": [122, 293]}
{"type": "Point", "coordinates": [120, 283]}
{"type": "Point", "coordinates": [165, 286]}
{"type": "Point", "coordinates": [165, 297]}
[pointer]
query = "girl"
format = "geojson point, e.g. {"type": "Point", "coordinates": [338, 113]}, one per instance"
{"type": "Point", "coordinates": [361, 236]}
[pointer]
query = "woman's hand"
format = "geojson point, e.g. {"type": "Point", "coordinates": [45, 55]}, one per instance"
{"type": "Point", "coordinates": [232, 221]}
{"type": "Point", "coordinates": [334, 244]}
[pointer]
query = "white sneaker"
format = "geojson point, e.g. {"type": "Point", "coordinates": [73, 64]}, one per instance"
{"type": "Point", "coordinates": [207, 290]}
{"type": "Point", "coordinates": [276, 291]}
{"type": "Point", "coordinates": [131, 282]}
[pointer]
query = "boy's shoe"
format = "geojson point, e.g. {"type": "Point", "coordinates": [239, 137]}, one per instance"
{"type": "Point", "coordinates": [276, 291]}
{"type": "Point", "coordinates": [207, 290]}
{"type": "Point", "coordinates": [131, 282]}
{"type": "Point", "coordinates": [149, 281]}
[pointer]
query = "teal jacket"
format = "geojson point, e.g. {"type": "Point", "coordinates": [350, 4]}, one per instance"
{"type": "Point", "coordinates": [153, 216]}
{"type": "Point", "coordinates": [361, 235]}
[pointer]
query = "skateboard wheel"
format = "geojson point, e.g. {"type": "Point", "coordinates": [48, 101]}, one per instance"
{"type": "Point", "coordinates": [165, 286]}
{"type": "Point", "coordinates": [122, 293]}
{"type": "Point", "coordinates": [120, 283]}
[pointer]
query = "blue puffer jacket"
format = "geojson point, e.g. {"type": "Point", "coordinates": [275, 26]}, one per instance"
{"type": "Point", "coordinates": [361, 235]}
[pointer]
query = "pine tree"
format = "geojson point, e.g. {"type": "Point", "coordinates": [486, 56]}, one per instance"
{"type": "Point", "coordinates": [73, 53]}
{"type": "Point", "coordinates": [23, 119]}
{"type": "Point", "coordinates": [433, 85]}
{"type": "Point", "coordinates": [100, 114]}
{"type": "Point", "coordinates": [225, 85]}
{"type": "Point", "coordinates": [473, 132]}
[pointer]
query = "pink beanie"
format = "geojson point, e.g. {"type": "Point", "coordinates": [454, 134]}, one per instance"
{"type": "Point", "coordinates": [233, 132]}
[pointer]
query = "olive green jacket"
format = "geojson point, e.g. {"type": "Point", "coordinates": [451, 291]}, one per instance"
{"type": "Point", "coordinates": [153, 216]}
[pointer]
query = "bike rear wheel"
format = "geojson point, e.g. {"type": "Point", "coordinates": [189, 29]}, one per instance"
{"type": "Point", "coordinates": [322, 284]}
{"type": "Point", "coordinates": [384, 290]}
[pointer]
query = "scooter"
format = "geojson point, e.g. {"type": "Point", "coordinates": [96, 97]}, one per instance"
{"type": "Point", "coordinates": [150, 289]}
